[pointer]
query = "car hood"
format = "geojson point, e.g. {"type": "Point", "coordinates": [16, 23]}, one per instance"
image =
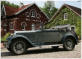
{"type": "Point", "coordinates": [26, 31]}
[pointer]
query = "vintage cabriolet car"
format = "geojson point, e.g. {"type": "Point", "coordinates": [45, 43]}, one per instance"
{"type": "Point", "coordinates": [20, 41]}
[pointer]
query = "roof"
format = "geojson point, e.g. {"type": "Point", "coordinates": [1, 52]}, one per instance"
{"type": "Point", "coordinates": [24, 6]}
{"type": "Point", "coordinates": [12, 10]}
{"type": "Point", "coordinates": [15, 11]}
{"type": "Point", "coordinates": [73, 8]}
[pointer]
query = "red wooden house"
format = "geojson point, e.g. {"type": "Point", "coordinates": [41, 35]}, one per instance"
{"type": "Point", "coordinates": [28, 17]}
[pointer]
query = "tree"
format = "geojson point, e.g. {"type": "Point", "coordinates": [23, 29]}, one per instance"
{"type": "Point", "coordinates": [49, 8]}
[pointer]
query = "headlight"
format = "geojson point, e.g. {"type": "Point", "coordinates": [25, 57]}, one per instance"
{"type": "Point", "coordinates": [12, 34]}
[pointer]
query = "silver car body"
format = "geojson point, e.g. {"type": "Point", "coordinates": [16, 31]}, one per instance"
{"type": "Point", "coordinates": [42, 37]}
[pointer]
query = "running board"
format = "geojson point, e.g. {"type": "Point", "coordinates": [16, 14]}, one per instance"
{"type": "Point", "coordinates": [49, 45]}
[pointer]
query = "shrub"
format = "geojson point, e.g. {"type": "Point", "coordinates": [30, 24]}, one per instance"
{"type": "Point", "coordinates": [5, 37]}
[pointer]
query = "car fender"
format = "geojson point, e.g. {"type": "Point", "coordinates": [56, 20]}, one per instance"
{"type": "Point", "coordinates": [18, 36]}
{"type": "Point", "coordinates": [69, 35]}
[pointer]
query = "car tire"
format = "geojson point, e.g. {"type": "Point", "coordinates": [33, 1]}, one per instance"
{"type": "Point", "coordinates": [18, 47]}
{"type": "Point", "coordinates": [9, 49]}
{"type": "Point", "coordinates": [69, 44]}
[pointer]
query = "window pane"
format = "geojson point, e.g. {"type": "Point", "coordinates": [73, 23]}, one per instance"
{"type": "Point", "coordinates": [65, 16]}
{"type": "Point", "coordinates": [23, 26]}
{"type": "Point", "coordinates": [32, 13]}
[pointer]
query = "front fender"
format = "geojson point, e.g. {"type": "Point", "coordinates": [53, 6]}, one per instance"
{"type": "Point", "coordinates": [18, 36]}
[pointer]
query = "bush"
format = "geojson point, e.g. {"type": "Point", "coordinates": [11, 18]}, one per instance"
{"type": "Point", "coordinates": [5, 37]}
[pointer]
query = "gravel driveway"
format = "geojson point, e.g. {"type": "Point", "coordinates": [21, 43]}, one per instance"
{"type": "Point", "coordinates": [45, 52]}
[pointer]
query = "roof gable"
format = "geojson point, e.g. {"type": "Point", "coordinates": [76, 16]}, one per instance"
{"type": "Point", "coordinates": [23, 8]}
{"type": "Point", "coordinates": [30, 6]}
{"type": "Point", "coordinates": [12, 10]}
{"type": "Point", "coordinates": [74, 9]}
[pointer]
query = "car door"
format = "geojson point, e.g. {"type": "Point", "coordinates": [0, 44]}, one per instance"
{"type": "Point", "coordinates": [48, 37]}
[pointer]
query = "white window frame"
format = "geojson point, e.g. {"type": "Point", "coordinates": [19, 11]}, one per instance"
{"type": "Point", "coordinates": [11, 24]}
{"type": "Point", "coordinates": [24, 26]}
{"type": "Point", "coordinates": [65, 16]}
{"type": "Point", "coordinates": [33, 13]}
{"type": "Point", "coordinates": [5, 26]}
{"type": "Point", "coordinates": [33, 26]}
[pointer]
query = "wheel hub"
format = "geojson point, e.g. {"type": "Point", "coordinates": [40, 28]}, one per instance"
{"type": "Point", "coordinates": [69, 44]}
{"type": "Point", "coordinates": [19, 46]}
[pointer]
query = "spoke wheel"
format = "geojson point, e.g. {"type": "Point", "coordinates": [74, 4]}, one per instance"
{"type": "Point", "coordinates": [19, 47]}
{"type": "Point", "coordinates": [69, 44]}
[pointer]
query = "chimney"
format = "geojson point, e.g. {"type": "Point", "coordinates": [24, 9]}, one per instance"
{"type": "Point", "coordinates": [21, 4]}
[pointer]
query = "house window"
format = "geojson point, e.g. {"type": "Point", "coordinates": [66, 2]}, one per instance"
{"type": "Point", "coordinates": [5, 26]}
{"type": "Point", "coordinates": [32, 13]}
{"type": "Point", "coordinates": [11, 26]}
{"type": "Point", "coordinates": [23, 25]}
{"type": "Point", "coordinates": [33, 26]}
{"type": "Point", "coordinates": [65, 16]}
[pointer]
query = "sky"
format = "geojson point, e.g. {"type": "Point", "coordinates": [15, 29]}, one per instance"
{"type": "Point", "coordinates": [58, 4]}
